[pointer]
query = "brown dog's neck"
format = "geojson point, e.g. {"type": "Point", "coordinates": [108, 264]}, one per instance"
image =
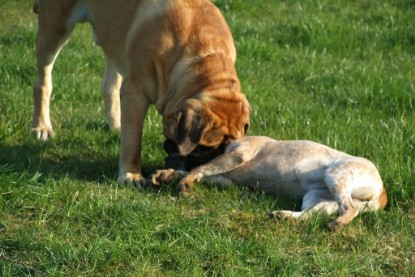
{"type": "Point", "coordinates": [204, 75]}
{"type": "Point", "coordinates": [214, 72]}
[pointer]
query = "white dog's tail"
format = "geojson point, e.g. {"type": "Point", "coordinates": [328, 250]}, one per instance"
{"type": "Point", "coordinates": [378, 203]}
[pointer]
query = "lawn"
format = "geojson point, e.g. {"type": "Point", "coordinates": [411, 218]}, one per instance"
{"type": "Point", "coordinates": [337, 72]}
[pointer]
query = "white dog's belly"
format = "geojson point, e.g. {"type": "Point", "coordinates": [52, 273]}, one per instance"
{"type": "Point", "coordinates": [277, 178]}
{"type": "Point", "coordinates": [267, 181]}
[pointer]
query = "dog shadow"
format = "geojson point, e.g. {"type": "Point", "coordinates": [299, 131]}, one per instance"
{"type": "Point", "coordinates": [45, 160]}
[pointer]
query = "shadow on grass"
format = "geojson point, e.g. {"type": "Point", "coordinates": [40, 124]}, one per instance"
{"type": "Point", "coordinates": [246, 196]}
{"type": "Point", "coordinates": [49, 160]}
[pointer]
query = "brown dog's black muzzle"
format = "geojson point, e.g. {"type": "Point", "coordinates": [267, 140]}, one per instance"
{"type": "Point", "coordinates": [200, 155]}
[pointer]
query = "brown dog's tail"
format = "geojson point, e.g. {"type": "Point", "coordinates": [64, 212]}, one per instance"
{"type": "Point", "coordinates": [36, 6]}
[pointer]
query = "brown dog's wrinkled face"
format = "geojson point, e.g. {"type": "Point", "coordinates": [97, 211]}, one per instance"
{"type": "Point", "coordinates": [209, 124]}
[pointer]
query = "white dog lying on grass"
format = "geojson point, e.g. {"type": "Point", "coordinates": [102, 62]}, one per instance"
{"type": "Point", "coordinates": [327, 180]}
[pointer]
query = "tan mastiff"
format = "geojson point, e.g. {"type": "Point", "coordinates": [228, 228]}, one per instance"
{"type": "Point", "coordinates": [325, 179]}
{"type": "Point", "coordinates": [176, 54]}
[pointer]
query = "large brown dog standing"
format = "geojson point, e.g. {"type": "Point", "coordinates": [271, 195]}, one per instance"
{"type": "Point", "coordinates": [178, 55]}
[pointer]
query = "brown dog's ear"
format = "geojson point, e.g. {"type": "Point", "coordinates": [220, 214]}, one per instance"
{"type": "Point", "coordinates": [246, 127]}
{"type": "Point", "coordinates": [246, 109]}
{"type": "Point", "coordinates": [190, 128]}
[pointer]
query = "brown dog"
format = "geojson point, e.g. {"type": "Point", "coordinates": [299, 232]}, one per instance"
{"type": "Point", "coordinates": [325, 179]}
{"type": "Point", "coordinates": [176, 54]}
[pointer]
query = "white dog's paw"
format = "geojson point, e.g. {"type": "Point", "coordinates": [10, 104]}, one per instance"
{"type": "Point", "coordinates": [336, 225]}
{"type": "Point", "coordinates": [132, 179]}
{"type": "Point", "coordinates": [42, 133]}
{"type": "Point", "coordinates": [281, 214]}
{"type": "Point", "coordinates": [163, 176]}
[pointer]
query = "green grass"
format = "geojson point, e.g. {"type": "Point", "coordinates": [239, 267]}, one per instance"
{"type": "Point", "coordinates": [338, 72]}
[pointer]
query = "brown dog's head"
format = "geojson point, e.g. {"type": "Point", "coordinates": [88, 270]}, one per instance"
{"type": "Point", "coordinates": [209, 122]}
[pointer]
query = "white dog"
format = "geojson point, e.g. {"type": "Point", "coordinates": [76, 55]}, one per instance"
{"type": "Point", "coordinates": [327, 180]}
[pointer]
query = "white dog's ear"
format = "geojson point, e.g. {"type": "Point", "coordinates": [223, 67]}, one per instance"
{"type": "Point", "coordinates": [190, 128]}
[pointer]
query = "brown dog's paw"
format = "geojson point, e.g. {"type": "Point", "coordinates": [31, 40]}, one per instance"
{"type": "Point", "coordinates": [163, 176]}
{"type": "Point", "coordinates": [42, 133]}
{"type": "Point", "coordinates": [132, 179]}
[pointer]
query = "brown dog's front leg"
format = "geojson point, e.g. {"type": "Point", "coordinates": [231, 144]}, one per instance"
{"type": "Point", "coordinates": [222, 164]}
{"type": "Point", "coordinates": [133, 111]}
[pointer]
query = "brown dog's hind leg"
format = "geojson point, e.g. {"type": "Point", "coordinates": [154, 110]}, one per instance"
{"type": "Point", "coordinates": [111, 85]}
{"type": "Point", "coordinates": [51, 37]}
{"type": "Point", "coordinates": [47, 49]}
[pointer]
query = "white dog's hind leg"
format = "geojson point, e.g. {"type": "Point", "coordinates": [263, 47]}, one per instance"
{"type": "Point", "coordinates": [315, 201]}
{"type": "Point", "coordinates": [349, 179]}
{"type": "Point", "coordinates": [111, 85]}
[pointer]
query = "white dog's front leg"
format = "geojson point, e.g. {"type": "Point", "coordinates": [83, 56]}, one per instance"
{"type": "Point", "coordinates": [164, 176]}
{"type": "Point", "coordinates": [224, 163]}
